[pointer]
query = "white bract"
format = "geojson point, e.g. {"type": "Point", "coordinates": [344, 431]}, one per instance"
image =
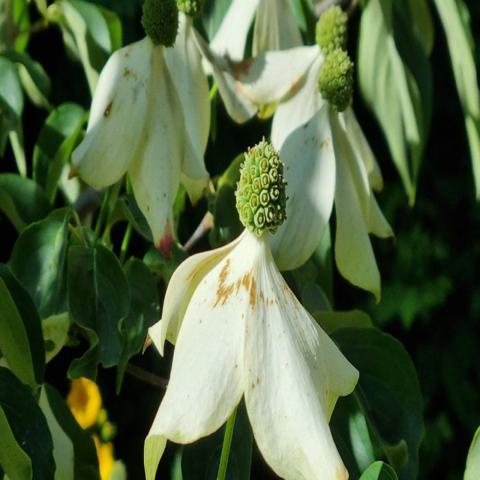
{"type": "Point", "coordinates": [240, 331]}
{"type": "Point", "coordinates": [150, 118]}
{"type": "Point", "coordinates": [275, 28]}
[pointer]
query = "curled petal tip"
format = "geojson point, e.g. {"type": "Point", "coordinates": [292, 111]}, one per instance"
{"type": "Point", "coordinates": [147, 344]}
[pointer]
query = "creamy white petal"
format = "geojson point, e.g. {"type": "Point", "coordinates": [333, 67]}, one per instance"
{"type": "Point", "coordinates": [155, 172]}
{"type": "Point", "coordinates": [353, 251]}
{"type": "Point", "coordinates": [232, 35]}
{"type": "Point", "coordinates": [206, 381]}
{"type": "Point", "coordinates": [310, 174]}
{"type": "Point", "coordinates": [238, 106]}
{"type": "Point", "coordinates": [295, 374]}
{"type": "Point", "coordinates": [299, 108]}
{"type": "Point", "coordinates": [180, 289]}
{"type": "Point", "coordinates": [184, 63]}
{"type": "Point", "coordinates": [117, 116]}
{"type": "Point", "coordinates": [275, 27]}
{"type": "Point", "coordinates": [361, 145]}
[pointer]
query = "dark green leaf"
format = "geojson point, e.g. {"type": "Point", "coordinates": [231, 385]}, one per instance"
{"type": "Point", "coordinates": [28, 424]}
{"type": "Point", "coordinates": [22, 200]}
{"type": "Point", "coordinates": [389, 393]}
{"type": "Point", "coordinates": [99, 299]}
{"type": "Point", "coordinates": [379, 471]}
{"type": "Point", "coordinates": [56, 141]}
{"type": "Point", "coordinates": [21, 339]}
{"type": "Point", "coordinates": [57, 413]}
{"type": "Point", "coordinates": [213, 14]}
{"type": "Point", "coordinates": [38, 262]}
{"type": "Point", "coordinates": [144, 312]}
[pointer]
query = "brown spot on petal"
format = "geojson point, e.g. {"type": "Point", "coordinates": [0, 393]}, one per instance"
{"type": "Point", "coordinates": [241, 68]}
{"type": "Point", "coordinates": [107, 111]}
{"type": "Point", "coordinates": [225, 290]}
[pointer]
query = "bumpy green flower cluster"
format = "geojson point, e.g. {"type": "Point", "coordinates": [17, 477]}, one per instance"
{"type": "Point", "coordinates": [192, 8]}
{"type": "Point", "coordinates": [160, 21]}
{"type": "Point", "coordinates": [331, 32]}
{"type": "Point", "coordinates": [336, 79]}
{"type": "Point", "coordinates": [260, 193]}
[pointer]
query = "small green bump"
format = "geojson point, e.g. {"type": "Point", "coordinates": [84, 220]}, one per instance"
{"type": "Point", "coordinates": [260, 194]}
{"type": "Point", "coordinates": [160, 21]}
{"type": "Point", "coordinates": [192, 8]}
{"type": "Point", "coordinates": [331, 31]}
{"type": "Point", "coordinates": [336, 80]}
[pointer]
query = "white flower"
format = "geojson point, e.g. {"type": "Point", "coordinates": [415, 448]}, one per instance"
{"type": "Point", "coordinates": [275, 28]}
{"type": "Point", "coordinates": [327, 159]}
{"type": "Point", "coordinates": [240, 331]}
{"type": "Point", "coordinates": [150, 118]}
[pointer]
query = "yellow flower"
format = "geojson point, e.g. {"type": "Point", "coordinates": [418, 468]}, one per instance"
{"type": "Point", "coordinates": [105, 458]}
{"type": "Point", "coordinates": [85, 401]}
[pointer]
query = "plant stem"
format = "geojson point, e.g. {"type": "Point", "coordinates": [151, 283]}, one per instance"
{"type": "Point", "coordinates": [125, 242]}
{"type": "Point", "coordinates": [103, 212]}
{"type": "Point", "coordinates": [227, 443]}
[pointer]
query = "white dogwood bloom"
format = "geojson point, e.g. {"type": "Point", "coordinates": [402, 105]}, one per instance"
{"type": "Point", "coordinates": [150, 118]}
{"type": "Point", "coordinates": [275, 28]}
{"type": "Point", "coordinates": [239, 331]}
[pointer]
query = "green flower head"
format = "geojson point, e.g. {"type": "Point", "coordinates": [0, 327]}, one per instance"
{"type": "Point", "coordinates": [260, 193]}
{"type": "Point", "coordinates": [336, 80]}
{"type": "Point", "coordinates": [160, 21]}
{"type": "Point", "coordinates": [331, 32]}
{"type": "Point", "coordinates": [193, 8]}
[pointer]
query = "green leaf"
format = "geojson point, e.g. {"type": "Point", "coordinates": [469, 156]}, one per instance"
{"type": "Point", "coordinates": [38, 262]}
{"type": "Point", "coordinates": [395, 81]}
{"type": "Point", "coordinates": [21, 340]}
{"type": "Point", "coordinates": [144, 312]}
{"type": "Point", "coordinates": [379, 471]}
{"type": "Point", "coordinates": [213, 14]}
{"type": "Point", "coordinates": [332, 321]}
{"type": "Point", "coordinates": [422, 23]}
{"type": "Point", "coordinates": [22, 200]}
{"type": "Point", "coordinates": [201, 459]}
{"type": "Point", "coordinates": [388, 392]}
{"type": "Point", "coordinates": [458, 31]}
{"type": "Point", "coordinates": [55, 334]}
{"type": "Point", "coordinates": [13, 459]}
{"type": "Point", "coordinates": [27, 424]}
{"type": "Point", "coordinates": [99, 299]}
{"type": "Point", "coordinates": [55, 144]}
{"type": "Point", "coordinates": [472, 471]}
{"type": "Point", "coordinates": [34, 79]}
{"type": "Point", "coordinates": [94, 31]}
{"type": "Point", "coordinates": [74, 450]}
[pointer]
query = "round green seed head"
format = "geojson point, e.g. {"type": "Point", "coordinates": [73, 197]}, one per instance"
{"type": "Point", "coordinates": [193, 8]}
{"type": "Point", "coordinates": [160, 21]}
{"type": "Point", "coordinates": [331, 31]}
{"type": "Point", "coordinates": [260, 194]}
{"type": "Point", "coordinates": [336, 80]}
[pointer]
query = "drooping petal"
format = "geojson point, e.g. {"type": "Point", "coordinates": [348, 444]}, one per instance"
{"type": "Point", "coordinates": [206, 381]}
{"type": "Point", "coordinates": [184, 63]}
{"type": "Point", "coordinates": [353, 251]}
{"type": "Point", "coordinates": [117, 116]}
{"type": "Point", "coordinates": [299, 108]}
{"type": "Point", "coordinates": [180, 289]}
{"type": "Point", "coordinates": [232, 35]}
{"type": "Point", "coordinates": [360, 145]}
{"type": "Point", "coordinates": [310, 174]}
{"type": "Point", "coordinates": [155, 172]}
{"type": "Point", "coordinates": [295, 374]}
{"type": "Point", "coordinates": [275, 27]}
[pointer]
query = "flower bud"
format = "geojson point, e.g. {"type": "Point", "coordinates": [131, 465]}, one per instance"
{"type": "Point", "coordinates": [192, 8]}
{"type": "Point", "coordinates": [160, 21]}
{"type": "Point", "coordinates": [336, 80]}
{"type": "Point", "coordinates": [260, 193]}
{"type": "Point", "coordinates": [331, 32]}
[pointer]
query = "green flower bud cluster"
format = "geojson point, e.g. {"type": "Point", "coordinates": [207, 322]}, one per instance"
{"type": "Point", "coordinates": [336, 80]}
{"type": "Point", "coordinates": [193, 8]}
{"type": "Point", "coordinates": [260, 194]}
{"type": "Point", "coordinates": [160, 21]}
{"type": "Point", "coordinates": [331, 32]}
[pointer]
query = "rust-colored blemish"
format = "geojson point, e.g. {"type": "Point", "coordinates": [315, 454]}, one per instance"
{"type": "Point", "coordinates": [224, 290]}
{"type": "Point", "coordinates": [107, 111]}
{"type": "Point", "coordinates": [239, 68]}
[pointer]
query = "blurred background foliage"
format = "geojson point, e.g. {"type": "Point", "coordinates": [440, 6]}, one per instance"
{"type": "Point", "coordinates": [430, 272]}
